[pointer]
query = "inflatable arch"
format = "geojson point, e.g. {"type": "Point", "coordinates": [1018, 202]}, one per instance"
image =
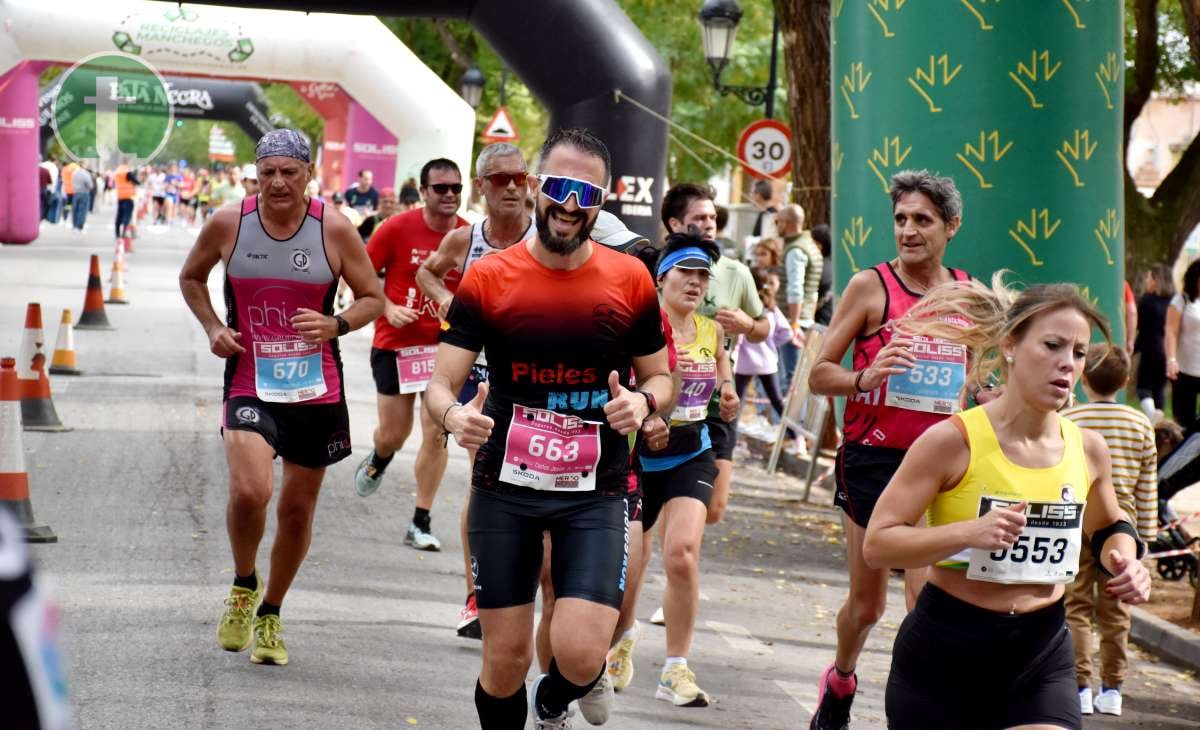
{"type": "Point", "coordinates": [405, 114]}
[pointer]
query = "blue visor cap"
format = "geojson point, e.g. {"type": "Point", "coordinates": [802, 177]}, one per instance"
{"type": "Point", "coordinates": [688, 257]}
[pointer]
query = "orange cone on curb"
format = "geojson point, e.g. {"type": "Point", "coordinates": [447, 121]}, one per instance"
{"type": "Point", "coordinates": [127, 241]}
{"type": "Point", "coordinates": [116, 292]}
{"type": "Point", "coordinates": [33, 341]}
{"type": "Point", "coordinates": [14, 480]}
{"type": "Point", "coordinates": [94, 317]}
{"type": "Point", "coordinates": [63, 362]}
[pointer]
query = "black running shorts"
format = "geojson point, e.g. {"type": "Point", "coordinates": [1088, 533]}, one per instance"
{"type": "Point", "coordinates": [387, 377]}
{"type": "Point", "coordinates": [313, 435]}
{"type": "Point", "coordinates": [860, 475]}
{"type": "Point", "coordinates": [723, 435]}
{"type": "Point", "coordinates": [693, 478]}
{"type": "Point", "coordinates": [956, 665]}
{"type": "Point", "coordinates": [589, 534]}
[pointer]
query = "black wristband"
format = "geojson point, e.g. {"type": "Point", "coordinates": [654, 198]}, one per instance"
{"type": "Point", "coordinates": [1099, 537]}
{"type": "Point", "coordinates": [651, 403]}
{"type": "Point", "coordinates": [858, 380]}
{"type": "Point", "coordinates": [342, 325]}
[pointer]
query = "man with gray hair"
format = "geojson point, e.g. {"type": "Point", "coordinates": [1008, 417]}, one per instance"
{"type": "Point", "coordinates": [501, 175]}
{"type": "Point", "coordinates": [800, 282]}
{"type": "Point", "coordinates": [879, 427]}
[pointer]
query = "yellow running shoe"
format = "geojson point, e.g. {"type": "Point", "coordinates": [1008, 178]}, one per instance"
{"type": "Point", "coordinates": [268, 641]}
{"type": "Point", "coordinates": [620, 660]}
{"type": "Point", "coordinates": [677, 685]}
{"type": "Point", "coordinates": [233, 632]}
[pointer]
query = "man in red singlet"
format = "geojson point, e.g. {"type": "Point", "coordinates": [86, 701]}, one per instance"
{"type": "Point", "coordinates": [927, 213]}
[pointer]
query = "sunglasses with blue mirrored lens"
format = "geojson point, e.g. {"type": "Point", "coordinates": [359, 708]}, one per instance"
{"type": "Point", "coordinates": [559, 189]}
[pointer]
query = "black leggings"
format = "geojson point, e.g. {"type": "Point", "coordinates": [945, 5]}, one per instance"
{"type": "Point", "coordinates": [770, 388]}
{"type": "Point", "coordinates": [1183, 399]}
{"type": "Point", "coordinates": [956, 665]}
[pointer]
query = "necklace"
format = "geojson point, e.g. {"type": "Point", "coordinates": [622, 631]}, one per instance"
{"type": "Point", "coordinates": [912, 284]}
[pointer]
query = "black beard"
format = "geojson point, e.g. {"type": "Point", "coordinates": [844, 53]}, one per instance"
{"type": "Point", "coordinates": [555, 244]}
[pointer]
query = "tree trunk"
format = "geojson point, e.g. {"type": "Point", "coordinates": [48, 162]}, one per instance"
{"type": "Point", "coordinates": [805, 30]}
{"type": "Point", "coordinates": [1156, 228]}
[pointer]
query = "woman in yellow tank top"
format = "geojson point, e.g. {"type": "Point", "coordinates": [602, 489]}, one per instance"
{"type": "Point", "coordinates": [677, 480]}
{"type": "Point", "coordinates": [1010, 490]}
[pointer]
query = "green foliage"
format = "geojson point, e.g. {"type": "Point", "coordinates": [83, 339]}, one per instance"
{"type": "Point", "coordinates": [1175, 64]}
{"type": "Point", "coordinates": [673, 29]}
{"type": "Point", "coordinates": [289, 109]}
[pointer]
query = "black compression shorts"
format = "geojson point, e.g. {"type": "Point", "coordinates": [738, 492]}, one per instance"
{"type": "Point", "coordinates": [387, 377]}
{"type": "Point", "coordinates": [693, 478]}
{"type": "Point", "coordinates": [589, 534]}
{"type": "Point", "coordinates": [956, 665]}
{"type": "Point", "coordinates": [312, 435]}
{"type": "Point", "coordinates": [724, 437]}
{"type": "Point", "coordinates": [860, 475]}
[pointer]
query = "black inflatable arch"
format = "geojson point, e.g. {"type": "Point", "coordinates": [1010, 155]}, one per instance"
{"type": "Point", "coordinates": [573, 55]}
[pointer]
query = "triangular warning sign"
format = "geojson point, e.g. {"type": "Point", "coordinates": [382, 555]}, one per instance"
{"type": "Point", "coordinates": [500, 128]}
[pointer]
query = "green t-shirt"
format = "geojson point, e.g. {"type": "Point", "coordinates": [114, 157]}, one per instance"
{"type": "Point", "coordinates": [731, 287]}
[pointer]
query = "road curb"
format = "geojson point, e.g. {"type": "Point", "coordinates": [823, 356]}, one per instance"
{"type": "Point", "coordinates": [1165, 638]}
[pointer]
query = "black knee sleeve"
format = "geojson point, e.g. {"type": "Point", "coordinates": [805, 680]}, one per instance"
{"type": "Point", "coordinates": [500, 713]}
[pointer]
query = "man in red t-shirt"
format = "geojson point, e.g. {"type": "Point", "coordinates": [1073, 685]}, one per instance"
{"type": "Point", "coordinates": [406, 338]}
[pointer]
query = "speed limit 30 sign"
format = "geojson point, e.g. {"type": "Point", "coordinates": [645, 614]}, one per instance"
{"type": "Point", "coordinates": [765, 149]}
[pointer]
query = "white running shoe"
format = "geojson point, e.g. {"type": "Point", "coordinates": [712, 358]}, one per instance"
{"type": "Point", "coordinates": [421, 540]}
{"type": "Point", "coordinates": [658, 619]}
{"type": "Point", "coordinates": [1108, 702]}
{"type": "Point", "coordinates": [596, 705]}
{"type": "Point", "coordinates": [1085, 700]}
{"type": "Point", "coordinates": [560, 722]}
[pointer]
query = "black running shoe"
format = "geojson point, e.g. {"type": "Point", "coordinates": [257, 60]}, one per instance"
{"type": "Point", "coordinates": [833, 712]}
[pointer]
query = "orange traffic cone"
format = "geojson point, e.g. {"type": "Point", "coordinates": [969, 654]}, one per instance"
{"type": "Point", "coordinates": [94, 317]}
{"type": "Point", "coordinates": [63, 362]}
{"type": "Point", "coordinates": [119, 256]}
{"type": "Point", "coordinates": [14, 480]}
{"type": "Point", "coordinates": [130, 234]}
{"type": "Point", "coordinates": [116, 293]}
{"type": "Point", "coordinates": [37, 409]}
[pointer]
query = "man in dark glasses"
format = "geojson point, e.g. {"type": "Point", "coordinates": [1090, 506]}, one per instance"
{"type": "Point", "coordinates": [564, 323]}
{"type": "Point", "coordinates": [406, 339]}
{"type": "Point", "coordinates": [501, 175]}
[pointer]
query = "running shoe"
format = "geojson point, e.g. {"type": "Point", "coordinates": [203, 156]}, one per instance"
{"type": "Point", "coordinates": [1085, 701]}
{"type": "Point", "coordinates": [235, 629]}
{"type": "Point", "coordinates": [366, 477]}
{"type": "Point", "coordinates": [1108, 702]}
{"type": "Point", "coordinates": [561, 721]}
{"type": "Point", "coordinates": [421, 540]}
{"type": "Point", "coordinates": [620, 660]}
{"type": "Point", "coordinates": [596, 705]}
{"type": "Point", "coordinates": [677, 685]}
{"type": "Point", "coordinates": [658, 618]}
{"type": "Point", "coordinates": [268, 641]}
{"type": "Point", "coordinates": [468, 620]}
{"type": "Point", "coordinates": [833, 712]}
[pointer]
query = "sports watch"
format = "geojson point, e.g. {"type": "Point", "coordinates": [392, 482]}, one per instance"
{"type": "Point", "coordinates": [343, 325]}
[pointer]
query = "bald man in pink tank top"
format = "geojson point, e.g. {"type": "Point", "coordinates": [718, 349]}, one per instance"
{"type": "Point", "coordinates": [284, 395]}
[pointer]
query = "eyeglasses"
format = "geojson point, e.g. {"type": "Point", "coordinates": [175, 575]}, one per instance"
{"type": "Point", "coordinates": [502, 179]}
{"type": "Point", "coordinates": [559, 189]}
{"type": "Point", "coordinates": [443, 188]}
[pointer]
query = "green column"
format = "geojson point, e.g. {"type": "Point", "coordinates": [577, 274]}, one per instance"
{"type": "Point", "coordinates": [1019, 101]}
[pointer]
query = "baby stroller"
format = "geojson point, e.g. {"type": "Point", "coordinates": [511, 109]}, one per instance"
{"type": "Point", "coordinates": [1174, 546]}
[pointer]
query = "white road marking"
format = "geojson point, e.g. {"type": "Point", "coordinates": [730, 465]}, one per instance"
{"type": "Point", "coordinates": [739, 637]}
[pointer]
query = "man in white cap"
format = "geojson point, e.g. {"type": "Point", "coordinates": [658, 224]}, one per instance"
{"type": "Point", "coordinates": [250, 179]}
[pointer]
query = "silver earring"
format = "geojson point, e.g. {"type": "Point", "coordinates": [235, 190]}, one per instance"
{"type": "Point", "coordinates": [1008, 359]}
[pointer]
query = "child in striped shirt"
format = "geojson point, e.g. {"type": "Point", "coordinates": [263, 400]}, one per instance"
{"type": "Point", "coordinates": [1130, 439]}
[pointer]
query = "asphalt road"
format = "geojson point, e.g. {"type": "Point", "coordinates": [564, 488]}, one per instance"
{"type": "Point", "coordinates": [136, 494]}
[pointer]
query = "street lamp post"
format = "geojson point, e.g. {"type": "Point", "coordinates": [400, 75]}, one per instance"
{"type": "Point", "coordinates": [719, 20]}
{"type": "Point", "coordinates": [471, 87]}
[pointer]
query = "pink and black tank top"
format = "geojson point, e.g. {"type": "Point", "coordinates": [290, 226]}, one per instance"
{"type": "Point", "coordinates": [266, 281]}
{"type": "Point", "coordinates": [868, 420]}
